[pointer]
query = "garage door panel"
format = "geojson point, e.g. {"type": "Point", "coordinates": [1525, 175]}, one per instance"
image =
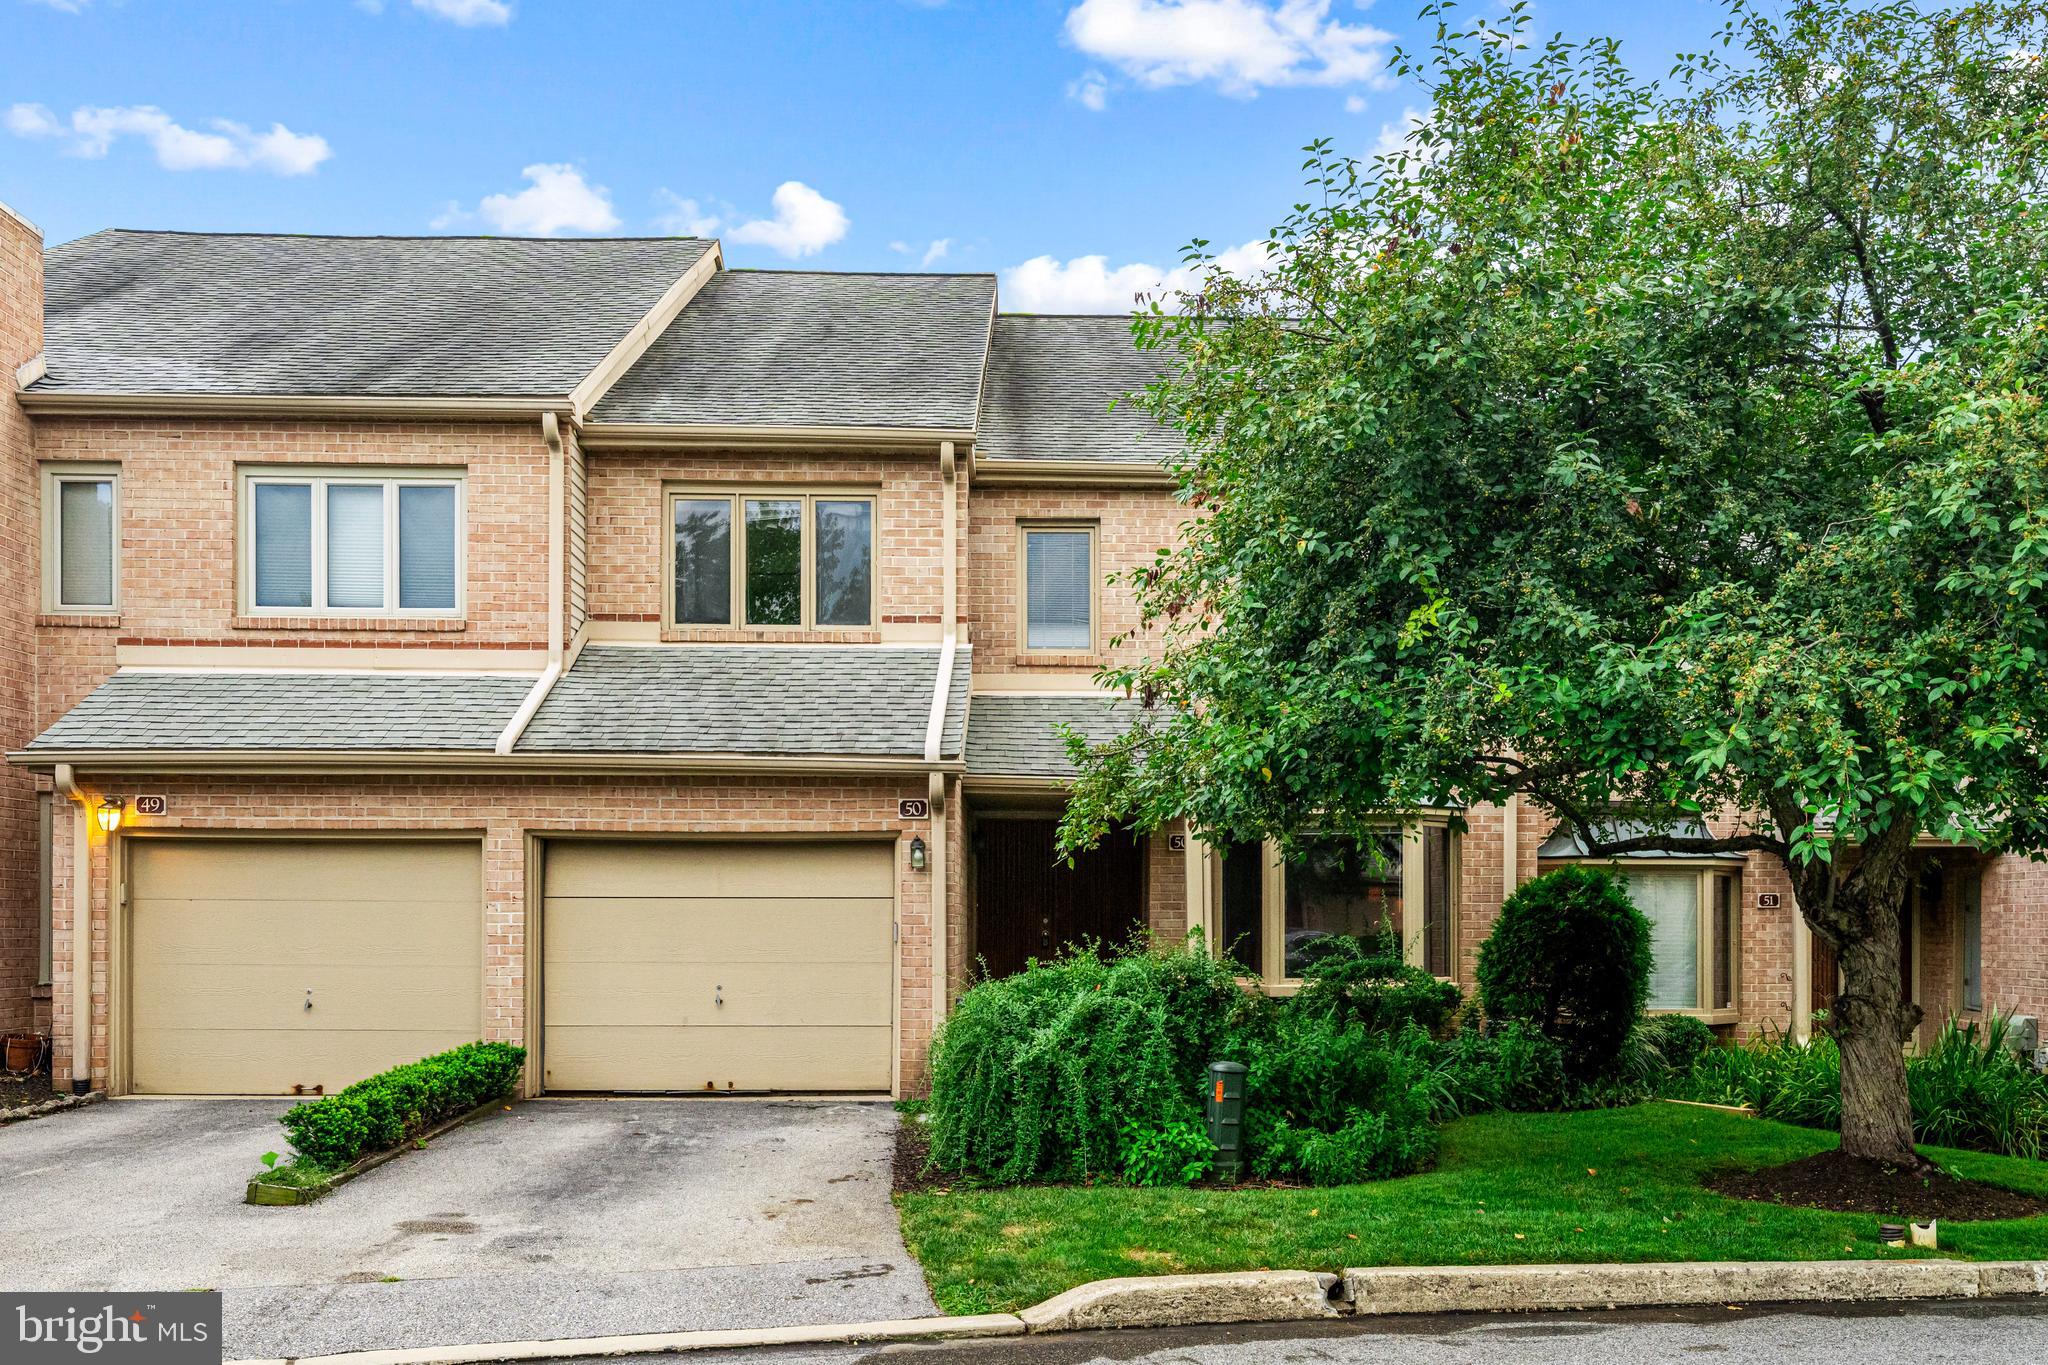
{"type": "Point", "coordinates": [643, 940]}
{"type": "Point", "coordinates": [226, 996]}
{"type": "Point", "coordinates": [247, 1061]}
{"type": "Point", "coordinates": [223, 948]}
{"type": "Point", "coordinates": [766, 869]}
{"type": "Point", "coordinates": [653, 994]}
{"type": "Point", "coordinates": [288, 932]}
{"type": "Point", "coordinates": [740, 1057]}
{"type": "Point", "coordinates": [670, 929]}
{"type": "Point", "coordinates": [334, 869]}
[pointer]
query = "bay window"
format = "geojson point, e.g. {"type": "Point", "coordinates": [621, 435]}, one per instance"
{"type": "Point", "coordinates": [798, 559]}
{"type": "Point", "coordinates": [353, 544]}
{"type": "Point", "coordinates": [1694, 934]}
{"type": "Point", "coordinates": [1272, 910]}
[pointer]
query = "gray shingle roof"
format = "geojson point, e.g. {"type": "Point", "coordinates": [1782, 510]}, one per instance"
{"type": "Point", "coordinates": [182, 711]}
{"type": "Point", "coordinates": [1051, 381]}
{"type": "Point", "coordinates": [864, 701]}
{"type": "Point", "coordinates": [1013, 736]}
{"type": "Point", "coordinates": [804, 348]}
{"type": "Point", "coordinates": [216, 313]}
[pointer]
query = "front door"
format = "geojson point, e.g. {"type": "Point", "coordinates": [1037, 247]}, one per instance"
{"type": "Point", "coordinates": [1029, 904]}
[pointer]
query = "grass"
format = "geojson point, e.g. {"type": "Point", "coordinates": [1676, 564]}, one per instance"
{"type": "Point", "coordinates": [296, 1172]}
{"type": "Point", "coordinates": [1603, 1185]}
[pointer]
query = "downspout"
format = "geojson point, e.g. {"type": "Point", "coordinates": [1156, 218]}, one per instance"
{"type": "Point", "coordinates": [558, 517]}
{"type": "Point", "coordinates": [935, 727]}
{"type": "Point", "coordinates": [81, 930]}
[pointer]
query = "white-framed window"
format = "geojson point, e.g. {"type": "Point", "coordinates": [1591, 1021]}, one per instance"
{"type": "Point", "coordinates": [769, 558]}
{"type": "Point", "coordinates": [1057, 587]}
{"type": "Point", "coordinates": [360, 543]}
{"type": "Point", "coordinates": [1271, 910]}
{"type": "Point", "coordinates": [81, 539]}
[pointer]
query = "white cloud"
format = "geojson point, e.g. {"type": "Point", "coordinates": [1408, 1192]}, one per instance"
{"type": "Point", "coordinates": [1090, 90]}
{"type": "Point", "coordinates": [1089, 284]}
{"type": "Point", "coordinates": [559, 200]}
{"type": "Point", "coordinates": [92, 131]}
{"type": "Point", "coordinates": [686, 217]}
{"type": "Point", "coordinates": [1239, 45]}
{"type": "Point", "coordinates": [468, 13]}
{"type": "Point", "coordinates": [67, 6]}
{"type": "Point", "coordinates": [1354, 104]}
{"type": "Point", "coordinates": [805, 222]}
{"type": "Point", "coordinates": [1395, 138]}
{"type": "Point", "coordinates": [936, 252]}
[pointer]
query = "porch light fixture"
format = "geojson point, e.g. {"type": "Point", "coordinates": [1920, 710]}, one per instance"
{"type": "Point", "coordinates": [109, 814]}
{"type": "Point", "coordinates": [916, 854]}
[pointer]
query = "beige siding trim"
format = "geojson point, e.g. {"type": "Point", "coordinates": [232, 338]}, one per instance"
{"type": "Point", "coordinates": [634, 344]}
{"type": "Point", "coordinates": [466, 761]}
{"type": "Point", "coordinates": [678, 435]}
{"type": "Point", "coordinates": [314, 659]}
{"type": "Point", "coordinates": [32, 369]}
{"type": "Point", "coordinates": [1083, 473]}
{"type": "Point", "coordinates": [506, 409]}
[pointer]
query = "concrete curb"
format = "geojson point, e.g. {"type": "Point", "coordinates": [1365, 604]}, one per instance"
{"type": "Point", "coordinates": [50, 1106]}
{"type": "Point", "coordinates": [1172, 1300]}
{"type": "Point", "coordinates": [298, 1196]}
{"type": "Point", "coordinates": [646, 1343]}
{"type": "Point", "coordinates": [1305, 1295]}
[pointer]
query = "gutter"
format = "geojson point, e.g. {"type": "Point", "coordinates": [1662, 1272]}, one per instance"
{"type": "Point", "coordinates": [507, 408]}
{"type": "Point", "coordinates": [683, 435]}
{"type": "Point", "coordinates": [464, 762]}
{"type": "Point", "coordinates": [81, 930]}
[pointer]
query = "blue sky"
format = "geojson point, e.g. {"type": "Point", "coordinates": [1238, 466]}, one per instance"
{"type": "Point", "coordinates": [1072, 145]}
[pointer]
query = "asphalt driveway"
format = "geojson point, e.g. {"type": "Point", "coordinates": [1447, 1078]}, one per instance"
{"type": "Point", "coordinates": [553, 1219]}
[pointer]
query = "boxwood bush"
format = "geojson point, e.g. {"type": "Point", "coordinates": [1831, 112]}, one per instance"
{"type": "Point", "coordinates": [1570, 954]}
{"type": "Point", "coordinates": [395, 1106]}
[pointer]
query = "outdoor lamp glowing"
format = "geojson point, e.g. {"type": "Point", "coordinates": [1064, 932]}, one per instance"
{"type": "Point", "coordinates": [917, 855]}
{"type": "Point", "coordinates": [109, 814]}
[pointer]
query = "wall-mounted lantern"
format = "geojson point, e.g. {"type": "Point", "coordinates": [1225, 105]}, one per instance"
{"type": "Point", "coordinates": [109, 814]}
{"type": "Point", "coordinates": [917, 854]}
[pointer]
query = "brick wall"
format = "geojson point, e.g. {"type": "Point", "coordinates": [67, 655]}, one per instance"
{"type": "Point", "coordinates": [505, 812]}
{"type": "Point", "coordinates": [179, 526]}
{"type": "Point", "coordinates": [627, 530]}
{"type": "Point", "coordinates": [1135, 523]}
{"type": "Point", "coordinates": [21, 339]}
{"type": "Point", "coordinates": [2016, 937]}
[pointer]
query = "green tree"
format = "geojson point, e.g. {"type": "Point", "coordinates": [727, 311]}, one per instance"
{"type": "Point", "coordinates": [1648, 451]}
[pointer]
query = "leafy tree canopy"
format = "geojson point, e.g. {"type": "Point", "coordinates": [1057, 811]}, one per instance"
{"type": "Point", "coordinates": [1640, 448]}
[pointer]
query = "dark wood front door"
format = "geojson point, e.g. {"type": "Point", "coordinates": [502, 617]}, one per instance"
{"type": "Point", "coordinates": [1029, 904]}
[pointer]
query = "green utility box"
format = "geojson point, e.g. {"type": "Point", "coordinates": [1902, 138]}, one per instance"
{"type": "Point", "coordinates": [1223, 1107]}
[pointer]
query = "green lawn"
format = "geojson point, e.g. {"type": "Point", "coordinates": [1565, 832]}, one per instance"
{"type": "Point", "coordinates": [1606, 1185]}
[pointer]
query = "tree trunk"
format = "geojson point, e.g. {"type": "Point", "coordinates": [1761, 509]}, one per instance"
{"type": "Point", "coordinates": [1870, 1022]}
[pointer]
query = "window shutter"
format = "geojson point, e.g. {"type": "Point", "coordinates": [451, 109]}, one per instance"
{"type": "Point", "coordinates": [426, 547]}
{"type": "Point", "coordinates": [1059, 590]}
{"type": "Point", "coordinates": [355, 545]}
{"type": "Point", "coordinates": [86, 537]}
{"type": "Point", "coordinates": [284, 545]}
{"type": "Point", "coordinates": [1670, 901]}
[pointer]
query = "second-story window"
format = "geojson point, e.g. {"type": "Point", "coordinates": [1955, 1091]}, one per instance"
{"type": "Point", "coordinates": [1059, 588]}
{"type": "Point", "coordinates": [803, 560]}
{"type": "Point", "coordinates": [353, 544]}
{"type": "Point", "coordinates": [82, 540]}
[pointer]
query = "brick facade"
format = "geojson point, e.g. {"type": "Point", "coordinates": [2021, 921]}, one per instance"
{"type": "Point", "coordinates": [21, 340]}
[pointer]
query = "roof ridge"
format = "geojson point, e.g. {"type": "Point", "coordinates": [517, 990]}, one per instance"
{"type": "Point", "coordinates": [1067, 317]}
{"type": "Point", "coordinates": [374, 236]}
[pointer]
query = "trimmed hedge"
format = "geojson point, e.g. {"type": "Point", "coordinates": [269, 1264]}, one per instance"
{"type": "Point", "coordinates": [387, 1109]}
{"type": "Point", "coordinates": [1570, 955]}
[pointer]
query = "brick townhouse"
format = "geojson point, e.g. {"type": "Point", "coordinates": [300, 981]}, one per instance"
{"type": "Point", "coordinates": [581, 643]}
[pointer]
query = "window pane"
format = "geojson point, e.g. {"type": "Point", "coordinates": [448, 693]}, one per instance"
{"type": "Point", "coordinates": [426, 547]}
{"type": "Point", "coordinates": [703, 561]}
{"type": "Point", "coordinates": [775, 534]}
{"type": "Point", "coordinates": [355, 545]}
{"type": "Point", "coordinates": [1724, 944]}
{"type": "Point", "coordinates": [1058, 586]}
{"type": "Point", "coordinates": [846, 549]}
{"type": "Point", "coordinates": [85, 537]}
{"type": "Point", "coordinates": [1670, 901]}
{"type": "Point", "coordinates": [1972, 916]}
{"type": "Point", "coordinates": [1338, 887]}
{"type": "Point", "coordinates": [1243, 917]}
{"type": "Point", "coordinates": [1436, 900]}
{"type": "Point", "coordinates": [284, 544]}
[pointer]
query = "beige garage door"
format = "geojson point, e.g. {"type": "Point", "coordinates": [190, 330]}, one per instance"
{"type": "Point", "coordinates": [230, 939]}
{"type": "Point", "coordinates": [762, 966]}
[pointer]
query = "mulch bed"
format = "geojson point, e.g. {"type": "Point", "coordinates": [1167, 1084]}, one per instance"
{"type": "Point", "coordinates": [1848, 1184]}
{"type": "Point", "coordinates": [913, 1148]}
{"type": "Point", "coordinates": [18, 1092]}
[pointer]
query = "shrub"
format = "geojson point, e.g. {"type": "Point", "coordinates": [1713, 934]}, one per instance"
{"type": "Point", "coordinates": [397, 1105]}
{"type": "Point", "coordinates": [1328, 1102]}
{"type": "Point", "coordinates": [1970, 1090]}
{"type": "Point", "coordinates": [1512, 1066]}
{"type": "Point", "coordinates": [1365, 981]}
{"type": "Point", "coordinates": [1038, 1074]}
{"type": "Point", "coordinates": [1570, 954]}
{"type": "Point", "coordinates": [1671, 1043]}
{"type": "Point", "coordinates": [1176, 1153]}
